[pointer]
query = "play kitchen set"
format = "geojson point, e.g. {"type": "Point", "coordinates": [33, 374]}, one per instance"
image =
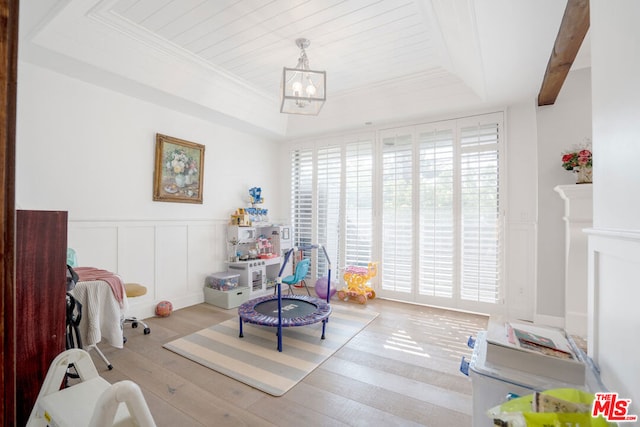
{"type": "Point", "coordinates": [255, 251]}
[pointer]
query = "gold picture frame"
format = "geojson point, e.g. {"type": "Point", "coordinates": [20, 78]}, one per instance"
{"type": "Point", "coordinates": [179, 170]}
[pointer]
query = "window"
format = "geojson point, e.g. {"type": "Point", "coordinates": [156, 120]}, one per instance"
{"type": "Point", "coordinates": [436, 188]}
{"type": "Point", "coordinates": [358, 206]}
{"type": "Point", "coordinates": [437, 213]}
{"type": "Point", "coordinates": [480, 213]}
{"type": "Point", "coordinates": [397, 211]}
{"type": "Point", "coordinates": [302, 218]}
{"type": "Point", "coordinates": [329, 166]}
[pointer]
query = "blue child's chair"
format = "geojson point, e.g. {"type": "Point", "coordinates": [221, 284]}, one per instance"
{"type": "Point", "coordinates": [302, 268]}
{"type": "Point", "coordinates": [72, 258]}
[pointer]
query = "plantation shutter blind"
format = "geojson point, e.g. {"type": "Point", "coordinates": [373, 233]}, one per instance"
{"type": "Point", "coordinates": [437, 212]}
{"type": "Point", "coordinates": [480, 212]}
{"type": "Point", "coordinates": [438, 235]}
{"type": "Point", "coordinates": [329, 172]}
{"type": "Point", "coordinates": [359, 203]}
{"type": "Point", "coordinates": [302, 196]}
{"type": "Point", "coordinates": [397, 221]}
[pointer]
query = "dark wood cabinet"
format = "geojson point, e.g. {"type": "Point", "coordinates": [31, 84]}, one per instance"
{"type": "Point", "coordinates": [41, 254]}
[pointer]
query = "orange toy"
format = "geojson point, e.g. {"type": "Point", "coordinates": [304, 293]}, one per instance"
{"type": "Point", "coordinates": [357, 279]}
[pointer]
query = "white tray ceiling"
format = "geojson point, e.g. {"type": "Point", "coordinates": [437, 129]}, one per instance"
{"type": "Point", "coordinates": [386, 60]}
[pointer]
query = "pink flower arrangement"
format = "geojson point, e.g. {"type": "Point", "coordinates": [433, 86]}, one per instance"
{"type": "Point", "coordinates": [577, 158]}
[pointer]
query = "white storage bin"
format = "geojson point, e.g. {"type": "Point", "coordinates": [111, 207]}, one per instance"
{"type": "Point", "coordinates": [224, 281]}
{"type": "Point", "coordinates": [493, 384]}
{"type": "Point", "coordinates": [226, 299]}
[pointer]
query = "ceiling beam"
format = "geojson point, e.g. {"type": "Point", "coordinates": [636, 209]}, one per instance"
{"type": "Point", "coordinates": [573, 29]}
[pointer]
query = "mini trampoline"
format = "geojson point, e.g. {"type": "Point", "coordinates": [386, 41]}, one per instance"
{"type": "Point", "coordinates": [281, 311]}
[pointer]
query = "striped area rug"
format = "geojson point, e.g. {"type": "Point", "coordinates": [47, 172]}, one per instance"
{"type": "Point", "coordinates": [255, 360]}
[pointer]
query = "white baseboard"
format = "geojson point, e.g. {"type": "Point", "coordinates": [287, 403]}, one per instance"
{"type": "Point", "coordinates": [576, 324]}
{"type": "Point", "coordinates": [144, 310]}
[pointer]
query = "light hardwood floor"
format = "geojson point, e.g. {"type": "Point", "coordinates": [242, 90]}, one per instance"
{"type": "Point", "coordinates": [401, 370]}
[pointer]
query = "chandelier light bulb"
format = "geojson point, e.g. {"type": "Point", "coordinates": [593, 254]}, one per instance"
{"type": "Point", "coordinates": [296, 87]}
{"type": "Point", "coordinates": [311, 90]}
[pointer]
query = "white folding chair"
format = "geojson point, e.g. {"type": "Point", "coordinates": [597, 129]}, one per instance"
{"type": "Point", "coordinates": [91, 402]}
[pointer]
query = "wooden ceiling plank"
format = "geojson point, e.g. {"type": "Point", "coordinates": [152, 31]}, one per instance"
{"type": "Point", "coordinates": [194, 17]}
{"type": "Point", "coordinates": [144, 8]}
{"type": "Point", "coordinates": [162, 17]}
{"type": "Point", "coordinates": [573, 29]}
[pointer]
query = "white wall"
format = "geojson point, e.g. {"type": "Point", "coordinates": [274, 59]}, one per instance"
{"type": "Point", "coordinates": [78, 141]}
{"type": "Point", "coordinates": [521, 164]}
{"type": "Point", "coordinates": [90, 151]}
{"type": "Point", "coordinates": [614, 243]}
{"type": "Point", "coordinates": [559, 126]}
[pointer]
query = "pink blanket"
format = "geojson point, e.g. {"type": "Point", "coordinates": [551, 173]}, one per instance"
{"type": "Point", "coordinates": [86, 274]}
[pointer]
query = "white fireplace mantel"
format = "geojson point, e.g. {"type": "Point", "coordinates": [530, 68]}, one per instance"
{"type": "Point", "coordinates": [578, 215]}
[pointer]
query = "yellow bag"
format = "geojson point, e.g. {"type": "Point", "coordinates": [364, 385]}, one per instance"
{"type": "Point", "coordinates": [564, 407]}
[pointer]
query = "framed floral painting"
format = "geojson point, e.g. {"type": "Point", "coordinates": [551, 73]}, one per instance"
{"type": "Point", "coordinates": [178, 171]}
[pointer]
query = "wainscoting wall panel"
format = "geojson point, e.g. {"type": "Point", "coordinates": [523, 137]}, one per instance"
{"type": "Point", "coordinates": [170, 257]}
{"type": "Point", "coordinates": [205, 249]}
{"type": "Point", "coordinates": [614, 269]}
{"type": "Point", "coordinates": [172, 269]}
{"type": "Point", "coordinates": [136, 257]}
{"type": "Point", "coordinates": [95, 246]}
{"type": "Point", "coordinates": [520, 270]}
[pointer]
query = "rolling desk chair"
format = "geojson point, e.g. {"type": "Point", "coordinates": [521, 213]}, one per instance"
{"type": "Point", "coordinates": [134, 290]}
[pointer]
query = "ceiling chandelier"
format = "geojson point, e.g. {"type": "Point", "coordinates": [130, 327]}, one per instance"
{"type": "Point", "coordinates": [303, 90]}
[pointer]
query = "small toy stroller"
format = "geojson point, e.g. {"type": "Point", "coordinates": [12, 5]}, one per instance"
{"type": "Point", "coordinates": [357, 279]}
